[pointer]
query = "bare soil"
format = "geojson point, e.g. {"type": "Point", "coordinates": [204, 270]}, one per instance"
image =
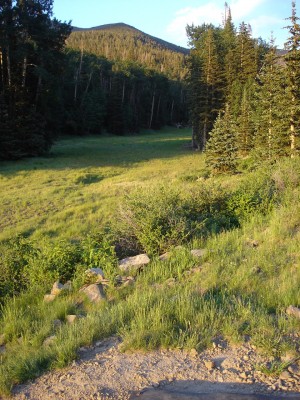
{"type": "Point", "coordinates": [104, 372]}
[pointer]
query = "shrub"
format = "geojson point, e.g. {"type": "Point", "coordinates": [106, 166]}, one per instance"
{"type": "Point", "coordinates": [257, 194]}
{"type": "Point", "coordinates": [15, 254]}
{"type": "Point", "coordinates": [156, 220]}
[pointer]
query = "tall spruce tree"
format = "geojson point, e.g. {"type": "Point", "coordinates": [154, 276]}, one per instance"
{"type": "Point", "coordinates": [292, 60]}
{"type": "Point", "coordinates": [271, 103]}
{"type": "Point", "coordinates": [206, 96]}
{"type": "Point", "coordinates": [221, 149]}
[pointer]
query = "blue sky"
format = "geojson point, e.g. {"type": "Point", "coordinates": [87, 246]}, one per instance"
{"type": "Point", "coordinates": [167, 19]}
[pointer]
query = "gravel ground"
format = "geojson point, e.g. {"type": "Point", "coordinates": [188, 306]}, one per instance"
{"type": "Point", "coordinates": [105, 372]}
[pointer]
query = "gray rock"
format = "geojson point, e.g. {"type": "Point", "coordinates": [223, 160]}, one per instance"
{"type": "Point", "coordinates": [94, 292]}
{"type": "Point", "coordinates": [135, 262]}
{"type": "Point", "coordinates": [293, 311]}
{"type": "Point", "coordinates": [198, 252]}
{"type": "Point", "coordinates": [95, 272]}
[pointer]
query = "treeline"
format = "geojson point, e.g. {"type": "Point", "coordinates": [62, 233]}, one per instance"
{"type": "Point", "coordinates": [31, 65]}
{"type": "Point", "coordinates": [120, 97]}
{"type": "Point", "coordinates": [244, 98]}
{"type": "Point", "coordinates": [48, 89]}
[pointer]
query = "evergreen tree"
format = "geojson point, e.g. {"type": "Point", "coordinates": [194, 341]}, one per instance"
{"type": "Point", "coordinates": [244, 121]}
{"type": "Point", "coordinates": [271, 104]}
{"type": "Point", "coordinates": [292, 60]}
{"type": "Point", "coordinates": [206, 97]}
{"type": "Point", "coordinates": [31, 60]}
{"type": "Point", "coordinates": [221, 150]}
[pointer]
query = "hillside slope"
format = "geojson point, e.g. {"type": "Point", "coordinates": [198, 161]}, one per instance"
{"type": "Point", "coordinates": [122, 42]}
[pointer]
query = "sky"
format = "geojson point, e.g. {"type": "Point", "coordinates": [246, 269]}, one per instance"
{"type": "Point", "coordinates": [167, 19]}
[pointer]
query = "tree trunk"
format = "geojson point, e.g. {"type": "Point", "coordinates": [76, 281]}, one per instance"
{"type": "Point", "coordinates": [24, 71]}
{"type": "Point", "coordinates": [152, 109]}
{"type": "Point", "coordinates": [77, 75]}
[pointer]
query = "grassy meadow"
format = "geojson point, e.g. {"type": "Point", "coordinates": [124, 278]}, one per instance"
{"type": "Point", "coordinates": [239, 290]}
{"type": "Point", "coordinates": [79, 185]}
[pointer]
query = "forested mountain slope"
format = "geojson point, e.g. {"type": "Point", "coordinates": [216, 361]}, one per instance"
{"type": "Point", "coordinates": [122, 42]}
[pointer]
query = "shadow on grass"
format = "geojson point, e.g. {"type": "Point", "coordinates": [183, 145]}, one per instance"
{"type": "Point", "coordinates": [104, 151]}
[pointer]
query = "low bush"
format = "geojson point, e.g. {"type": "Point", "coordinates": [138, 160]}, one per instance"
{"type": "Point", "coordinates": [15, 255]}
{"type": "Point", "coordinates": [163, 217]}
{"type": "Point", "coordinates": [257, 194]}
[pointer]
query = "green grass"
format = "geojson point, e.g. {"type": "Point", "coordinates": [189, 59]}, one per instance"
{"type": "Point", "coordinates": [79, 185]}
{"type": "Point", "coordinates": [239, 292]}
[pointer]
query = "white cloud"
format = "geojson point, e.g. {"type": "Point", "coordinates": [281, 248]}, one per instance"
{"type": "Point", "coordinates": [211, 12]}
{"type": "Point", "coordinates": [242, 8]}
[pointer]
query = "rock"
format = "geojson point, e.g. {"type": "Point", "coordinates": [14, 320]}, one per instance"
{"type": "Point", "coordinates": [94, 292]}
{"type": "Point", "coordinates": [67, 286]}
{"type": "Point", "coordinates": [210, 364]}
{"type": "Point", "coordinates": [198, 252]}
{"type": "Point", "coordinates": [285, 375]}
{"type": "Point", "coordinates": [95, 272]}
{"type": "Point", "coordinates": [135, 262]}
{"type": "Point", "coordinates": [49, 340]}
{"type": "Point", "coordinates": [57, 323]}
{"type": "Point", "coordinates": [165, 256]}
{"type": "Point", "coordinates": [293, 311]}
{"type": "Point", "coordinates": [71, 318]}
{"type": "Point", "coordinates": [294, 369]}
{"type": "Point", "coordinates": [246, 358]}
{"type": "Point", "coordinates": [48, 298]}
{"type": "Point", "coordinates": [57, 288]}
{"type": "Point", "coordinates": [243, 375]}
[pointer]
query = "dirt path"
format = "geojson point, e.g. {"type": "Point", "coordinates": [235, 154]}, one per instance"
{"type": "Point", "coordinates": [104, 372]}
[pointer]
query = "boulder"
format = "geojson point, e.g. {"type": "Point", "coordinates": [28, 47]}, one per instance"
{"type": "Point", "coordinates": [294, 311]}
{"type": "Point", "coordinates": [198, 252]}
{"type": "Point", "coordinates": [57, 288]}
{"type": "Point", "coordinates": [135, 262]}
{"type": "Point", "coordinates": [94, 292]}
{"type": "Point", "coordinates": [95, 272]}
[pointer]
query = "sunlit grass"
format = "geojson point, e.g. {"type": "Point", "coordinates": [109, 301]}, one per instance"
{"type": "Point", "coordinates": [78, 186]}
{"type": "Point", "coordinates": [239, 289]}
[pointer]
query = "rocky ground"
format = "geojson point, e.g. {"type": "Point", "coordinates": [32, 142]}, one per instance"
{"type": "Point", "coordinates": [105, 372]}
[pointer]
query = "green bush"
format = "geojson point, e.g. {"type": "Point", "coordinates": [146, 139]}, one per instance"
{"type": "Point", "coordinates": [158, 219]}
{"type": "Point", "coordinates": [256, 195]}
{"type": "Point", "coordinates": [15, 255]}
